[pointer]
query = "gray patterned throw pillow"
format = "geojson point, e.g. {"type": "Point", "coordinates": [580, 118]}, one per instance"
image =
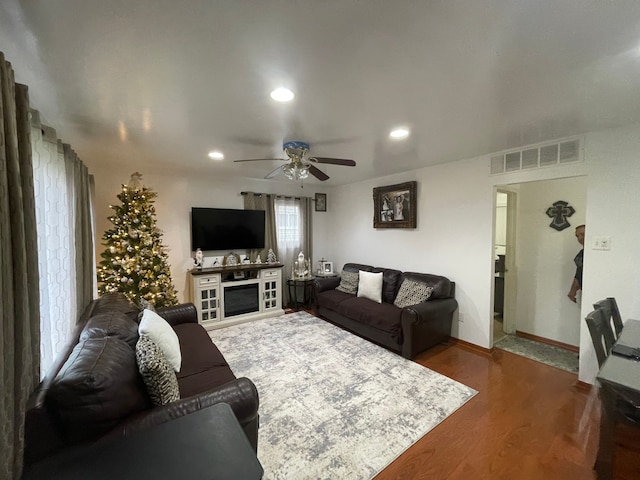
{"type": "Point", "coordinates": [159, 377]}
{"type": "Point", "coordinates": [348, 282]}
{"type": "Point", "coordinates": [412, 293]}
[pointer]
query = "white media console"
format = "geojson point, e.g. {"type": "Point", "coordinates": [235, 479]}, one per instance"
{"type": "Point", "coordinates": [230, 295]}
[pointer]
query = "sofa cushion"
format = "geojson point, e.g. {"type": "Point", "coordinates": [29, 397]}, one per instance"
{"type": "Point", "coordinates": [330, 298]}
{"type": "Point", "coordinates": [97, 387]}
{"type": "Point", "coordinates": [199, 352]}
{"type": "Point", "coordinates": [159, 330]}
{"type": "Point", "coordinates": [370, 286]}
{"type": "Point", "coordinates": [116, 324]}
{"type": "Point", "coordinates": [383, 316]}
{"type": "Point", "coordinates": [198, 383]}
{"type": "Point", "coordinates": [348, 282]}
{"type": "Point", "coordinates": [115, 302]}
{"type": "Point", "coordinates": [159, 377]}
{"type": "Point", "coordinates": [356, 267]}
{"type": "Point", "coordinates": [203, 366]}
{"type": "Point", "coordinates": [412, 293]}
{"type": "Point", "coordinates": [390, 283]}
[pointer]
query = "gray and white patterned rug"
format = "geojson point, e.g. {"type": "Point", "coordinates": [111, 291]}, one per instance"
{"type": "Point", "coordinates": [333, 405]}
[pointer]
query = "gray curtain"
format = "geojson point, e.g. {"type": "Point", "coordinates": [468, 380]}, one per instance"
{"type": "Point", "coordinates": [19, 294]}
{"type": "Point", "coordinates": [261, 201]}
{"type": "Point", "coordinates": [306, 210]}
{"type": "Point", "coordinates": [79, 186]}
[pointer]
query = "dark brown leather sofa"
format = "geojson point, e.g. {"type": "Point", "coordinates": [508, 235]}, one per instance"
{"type": "Point", "coordinates": [409, 330]}
{"type": "Point", "coordinates": [94, 392]}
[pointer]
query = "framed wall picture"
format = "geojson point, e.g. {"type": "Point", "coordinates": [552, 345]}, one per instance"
{"type": "Point", "coordinates": [321, 202]}
{"type": "Point", "coordinates": [395, 206]}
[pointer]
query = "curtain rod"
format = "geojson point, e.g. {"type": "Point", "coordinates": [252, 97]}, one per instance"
{"type": "Point", "coordinates": [286, 197]}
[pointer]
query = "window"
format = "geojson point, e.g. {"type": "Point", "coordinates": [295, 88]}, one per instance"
{"type": "Point", "coordinates": [288, 223]}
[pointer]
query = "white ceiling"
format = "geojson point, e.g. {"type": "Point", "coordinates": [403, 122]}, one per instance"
{"type": "Point", "coordinates": [185, 77]}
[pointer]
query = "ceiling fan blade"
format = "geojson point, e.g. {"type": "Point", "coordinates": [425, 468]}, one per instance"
{"type": "Point", "coordinates": [334, 161]}
{"type": "Point", "coordinates": [258, 159]}
{"type": "Point", "coordinates": [319, 174]}
{"type": "Point", "coordinates": [275, 172]}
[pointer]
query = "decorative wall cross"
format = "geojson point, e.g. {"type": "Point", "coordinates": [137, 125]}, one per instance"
{"type": "Point", "coordinates": [559, 213]}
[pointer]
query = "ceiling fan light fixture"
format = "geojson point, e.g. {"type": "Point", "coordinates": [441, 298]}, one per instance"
{"type": "Point", "coordinates": [296, 172]}
{"type": "Point", "coordinates": [399, 133]}
{"type": "Point", "coordinates": [289, 172]}
{"type": "Point", "coordinates": [282, 95]}
{"type": "Point", "coordinates": [216, 155]}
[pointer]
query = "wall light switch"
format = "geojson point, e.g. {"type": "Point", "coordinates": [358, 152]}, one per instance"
{"type": "Point", "coordinates": [600, 243]}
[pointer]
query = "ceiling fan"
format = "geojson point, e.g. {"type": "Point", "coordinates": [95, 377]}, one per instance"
{"type": "Point", "coordinates": [300, 163]}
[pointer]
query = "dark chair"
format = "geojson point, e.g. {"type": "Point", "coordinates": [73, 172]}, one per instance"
{"type": "Point", "coordinates": [610, 307]}
{"type": "Point", "coordinates": [601, 334]}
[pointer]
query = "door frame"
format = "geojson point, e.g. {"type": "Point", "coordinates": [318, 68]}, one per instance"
{"type": "Point", "coordinates": [510, 275]}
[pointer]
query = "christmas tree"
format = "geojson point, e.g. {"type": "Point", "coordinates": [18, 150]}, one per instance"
{"type": "Point", "coordinates": [135, 261]}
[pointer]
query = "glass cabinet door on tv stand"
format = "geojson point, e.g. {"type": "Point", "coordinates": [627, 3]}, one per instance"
{"type": "Point", "coordinates": [208, 300]}
{"type": "Point", "coordinates": [271, 288]}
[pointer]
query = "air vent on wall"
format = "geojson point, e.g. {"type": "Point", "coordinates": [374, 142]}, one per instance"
{"type": "Point", "coordinates": [536, 157]}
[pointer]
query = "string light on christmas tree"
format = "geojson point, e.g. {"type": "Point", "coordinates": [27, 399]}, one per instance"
{"type": "Point", "coordinates": [134, 261]}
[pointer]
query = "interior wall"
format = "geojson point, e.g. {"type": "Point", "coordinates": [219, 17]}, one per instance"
{"type": "Point", "coordinates": [544, 258]}
{"type": "Point", "coordinates": [613, 160]}
{"type": "Point", "coordinates": [176, 196]}
{"type": "Point", "coordinates": [453, 236]}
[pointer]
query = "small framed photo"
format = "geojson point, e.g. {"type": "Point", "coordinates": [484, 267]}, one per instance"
{"type": "Point", "coordinates": [394, 206]}
{"type": "Point", "coordinates": [327, 268]}
{"type": "Point", "coordinates": [321, 202]}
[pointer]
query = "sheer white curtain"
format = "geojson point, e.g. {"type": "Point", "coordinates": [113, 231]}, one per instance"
{"type": "Point", "coordinates": [57, 298]}
{"type": "Point", "coordinates": [60, 254]}
{"type": "Point", "coordinates": [293, 226]}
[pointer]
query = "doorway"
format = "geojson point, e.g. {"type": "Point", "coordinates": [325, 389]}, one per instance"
{"type": "Point", "coordinates": [534, 264]}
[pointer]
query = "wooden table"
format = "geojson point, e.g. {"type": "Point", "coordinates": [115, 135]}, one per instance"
{"type": "Point", "coordinates": [619, 378]}
{"type": "Point", "coordinates": [205, 445]}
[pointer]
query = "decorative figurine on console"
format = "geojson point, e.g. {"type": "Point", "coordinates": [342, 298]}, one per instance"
{"type": "Point", "coordinates": [301, 267]}
{"type": "Point", "coordinates": [258, 260]}
{"type": "Point", "coordinates": [271, 257]}
{"type": "Point", "coordinates": [199, 259]}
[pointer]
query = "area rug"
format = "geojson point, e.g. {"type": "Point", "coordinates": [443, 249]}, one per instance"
{"type": "Point", "coordinates": [333, 405]}
{"type": "Point", "coordinates": [540, 352]}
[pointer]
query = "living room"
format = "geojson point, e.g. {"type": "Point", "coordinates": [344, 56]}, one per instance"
{"type": "Point", "coordinates": [456, 190]}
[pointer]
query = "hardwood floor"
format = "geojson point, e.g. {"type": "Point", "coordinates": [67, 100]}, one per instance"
{"type": "Point", "coordinates": [528, 421]}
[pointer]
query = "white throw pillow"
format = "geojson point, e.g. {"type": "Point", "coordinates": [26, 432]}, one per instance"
{"type": "Point", "coordinates": [370, 286]}
{"type": "Point", "coordinates": [159, 330]}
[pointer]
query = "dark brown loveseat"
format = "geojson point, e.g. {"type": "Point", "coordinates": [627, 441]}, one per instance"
{"type": "Point", "coordinates": [409, 330]}
{"type": "Point", "coordinates": [95, 392]}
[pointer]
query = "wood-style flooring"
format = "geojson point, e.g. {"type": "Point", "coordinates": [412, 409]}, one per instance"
{"type": "Point", "coordinates": [528, 421]}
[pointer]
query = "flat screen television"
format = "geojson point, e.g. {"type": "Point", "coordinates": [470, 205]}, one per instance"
{"type": "Point", "coordinates": [226, 229]}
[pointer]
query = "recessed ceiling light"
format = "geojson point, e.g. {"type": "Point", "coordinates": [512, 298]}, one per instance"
{"type": "Point", "coordinates": [282, 95]}
{"type": "Point", "coordinates": [215, 155]}
{"type": "Point", "coordinates": [399, 133]}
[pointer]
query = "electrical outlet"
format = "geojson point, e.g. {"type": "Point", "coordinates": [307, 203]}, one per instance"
{"type": "Point", "coordinates": [460, 317]}
{"type": "Point", "coordinates": [600, 243]}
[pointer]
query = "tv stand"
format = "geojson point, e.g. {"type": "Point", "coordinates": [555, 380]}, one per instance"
{"type": "Point", "coordinates": [226, 296]}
